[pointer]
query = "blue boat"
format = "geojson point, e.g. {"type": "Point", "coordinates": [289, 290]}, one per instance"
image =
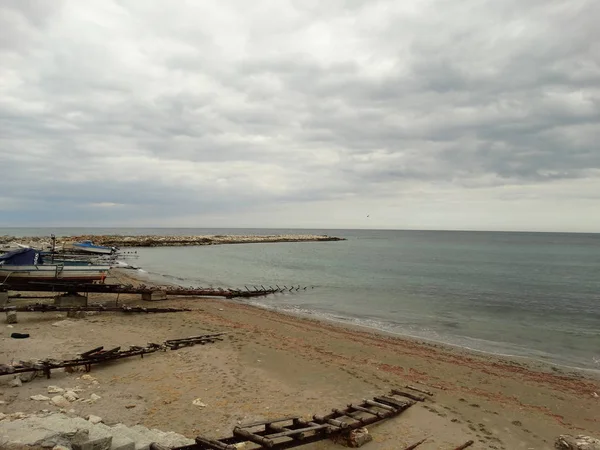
{"type": "Point", "coordinates": [89, 247]}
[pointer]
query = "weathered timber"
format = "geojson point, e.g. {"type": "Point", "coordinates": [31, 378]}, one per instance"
{"type": "Point", "coordinates": [277, 435]}
{"type": "Point", "coordinates": [386, 400]}
{"type": "Point", "coordinates": [415, 445]}
{"type": "Point", "coordinates": [257, 439]}
{"type": "Point", "coordinates": [379, 405]}
{"type": "Point", "coordinates": [418, 398]}
{"type": "Point", "coordinates": [105, 288]}
{"type": "Point", "coordinates": [212, 444]}
{"type": "Point", "coordinates": [465, 445]}
{"type": "Point", "coordinates": [416, 389]}
{"type": "Point", "coordinates": [99, 355]}
{"type": "Point", "coordinates": [380, 415]}
{"type": "Point", "coordinates": [44, 307]}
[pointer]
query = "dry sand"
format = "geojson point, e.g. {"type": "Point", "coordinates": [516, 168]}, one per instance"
{"type": "Point", "coordinates": [273, 365]}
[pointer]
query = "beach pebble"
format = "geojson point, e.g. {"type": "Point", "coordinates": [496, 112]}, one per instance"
{"type": "Point", "coordinates": [93, 419]}
{"type": "Point", "coordinates": [198, 402]}
{"type": "Point", "coordinates": [595, 395]}
{"type": "Point", "coordinates": [40, 398]}
{"type": "Point", "coordinates": [9, 326]}
{"type": "Point", "coordinates": [55, 390]}
{"type": "Point", "coordinates": [87, 377]}
{"type": "Point", "coordinates": [60, 401]}
{"type": "Point", "coordinates": [63, 323]}
{"type": "Point", "coordinates": [15, 382]}
{"type": "Point", "coordinates": [71, 396]}
{"type": "Point", "coordinates": [94, 397]}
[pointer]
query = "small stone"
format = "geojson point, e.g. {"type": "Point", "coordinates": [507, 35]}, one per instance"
{"type": "Point", "coordinates": [130, 406]}
{"type": "Point", "coordinates": [87, 377]}
{"type": "Point", "coordinates": [94, 397]}
{"type": "Point", "coordinates": [221, 309]}
{"type": "Point", "coordinates": [60, 447]}
{"type": "Point", "coordinates": [45, 411]}
{"type": "Point", "coordinates": [18, 415]}
{"type": "Point", "coordinates": [40, 398]}
{"type": "Point", "coordinates": [63, 323]}
{"type": "Point", "coordinates": [3, 416]}
{"type": "Point", "coordinates": [93, 419]}
{"type": "Point", "coordinates": [15, 382]}
{"type": "Point", "coordinates": [198, 402]}
{"type": "Point", "coordinates": [71, 396]}
{"type": "Point", "coordinates": [55, 390]}
{"type": "Point", "coordinates": [9, 326]}
{"type": "Point", "coordinates": [595, 395]}
{"type": "Point", "coordinates": [60, 401]}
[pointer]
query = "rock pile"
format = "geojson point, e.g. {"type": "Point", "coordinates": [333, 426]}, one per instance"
{"type": "Point", "coordinates": [76, 433]}
{"type": "Point", "coordinates": [168, 241]}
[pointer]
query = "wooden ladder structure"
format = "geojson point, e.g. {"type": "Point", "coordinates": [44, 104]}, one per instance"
{"type": "Point", "coordinates": [289, 432]}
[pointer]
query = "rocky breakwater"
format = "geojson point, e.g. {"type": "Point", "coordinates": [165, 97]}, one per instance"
{"type": "Point", "coordinates": [171, 241]}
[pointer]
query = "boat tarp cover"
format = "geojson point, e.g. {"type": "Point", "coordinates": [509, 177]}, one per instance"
{"type": "Point", "coordinates": [21, 257]}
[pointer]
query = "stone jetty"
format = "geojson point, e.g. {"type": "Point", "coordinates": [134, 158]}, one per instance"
{"type": "Point", "coordinates": [167, 241]}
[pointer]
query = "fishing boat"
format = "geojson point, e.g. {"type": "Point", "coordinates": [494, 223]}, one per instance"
{"type": "Point", "coordinates": [89, 247]}
{"type": "Point", "coordinates": [27, 265]}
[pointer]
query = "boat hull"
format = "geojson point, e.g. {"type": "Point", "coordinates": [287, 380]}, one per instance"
{"type": "Point", "coordinates": [46, 272]}
{"type": "Point", "coordinates": [92, 249]}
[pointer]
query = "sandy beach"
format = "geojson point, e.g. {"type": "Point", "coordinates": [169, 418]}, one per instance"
{"type": "Point", "coordinates": [272, 365]}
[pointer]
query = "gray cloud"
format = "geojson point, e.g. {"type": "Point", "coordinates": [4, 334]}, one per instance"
{"type": "Point", "coordinates": [281, 113]}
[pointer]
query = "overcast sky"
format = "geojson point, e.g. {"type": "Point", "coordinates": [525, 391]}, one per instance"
{"type": "Point", "coordinates": [428, 114]}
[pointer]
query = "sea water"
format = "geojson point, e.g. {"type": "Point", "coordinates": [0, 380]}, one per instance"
{"type": "Point", "coordinates": [524, 294]}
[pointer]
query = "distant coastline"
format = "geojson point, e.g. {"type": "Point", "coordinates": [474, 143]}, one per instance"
{"type": "Point", "coordinates": [171, 241]}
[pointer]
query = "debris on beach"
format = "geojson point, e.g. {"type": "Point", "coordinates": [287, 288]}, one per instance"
{"type": "Point", "coordinates": [581, 442]}
{"type": "Point", "coordinates": [99, 355]}
{"type": "Point", "coordinates": [43, 307]}
{"type": "Point", "coordinates": [345, 426]}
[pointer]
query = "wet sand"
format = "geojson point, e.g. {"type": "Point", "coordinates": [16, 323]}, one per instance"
{"type": "Point", "coordinates": [272, 365]}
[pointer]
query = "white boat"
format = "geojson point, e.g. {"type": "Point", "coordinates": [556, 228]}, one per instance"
{"type": "Point", "coordinates": [27, 265]}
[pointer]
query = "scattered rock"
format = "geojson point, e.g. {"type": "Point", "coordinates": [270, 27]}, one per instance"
{"type": "Point", "coordinates": [40, 398]}
{"type": "Point", "coordinates": [568, 442]}
{"type": "Point", "coordinates": [63, 323]}
{"type": "Point", "coordinates": [3, 416]}
{"type": "Point", "coordinates": [94, 397]}
{"type": "Point", "coordinates": [55, 390]}
{"type": "Point", "coordinates": [87, 377]}
{"type": "Point", "coordinates": [70, 396]}
{"type": "Point", "coordinates": [130, 406]}
{"type": "Point", "coordinates": [595, 395]}
{"type": "Point", "coordinates": [9, 326]}
{"type": "Point", "coordinates": [60, 401]}
{"type": "Point", "coordinates": [198, 402]}
{"type": "Point", "coordinates": [15, 382]}
{"type": "Point", "coordinates": [28, 376]}
{"type": "Point", "coordinates": [93, 419]}
{"type": "Point", "coordinates": [11, 317]}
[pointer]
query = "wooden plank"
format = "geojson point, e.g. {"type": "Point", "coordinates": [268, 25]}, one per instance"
{"type": "Point", "coordinates": [366, 410]}
{"type": "Point", "coordinates": [379, 405]}
{"type": "Point", "coordinates": [264, 422]}
{"type": "Point", "coordinates": [249, 436]}
{"type": "Point", "coordinates": [398, 404]}
{"type": "Point", "coordinates": [296, 432]}
{"type": "Point", "coordinates": [418, 398]}
{"type": "Point", "coordinates": [216, 445]}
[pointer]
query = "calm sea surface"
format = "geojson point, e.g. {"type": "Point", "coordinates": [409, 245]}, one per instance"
{"type": "Point", "coordinates": [525, 294]}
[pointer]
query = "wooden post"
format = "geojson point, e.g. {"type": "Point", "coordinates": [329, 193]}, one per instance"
{"type": "Point", "coordinates": [247, 435]}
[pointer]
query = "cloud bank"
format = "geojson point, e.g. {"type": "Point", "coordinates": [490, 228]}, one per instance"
{"type": "Point", "coordinates": [436, 114]}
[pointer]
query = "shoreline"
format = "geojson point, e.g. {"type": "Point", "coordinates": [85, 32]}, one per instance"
{"type": "Point", "coordinates": [546, 365]}
{"type": "Point", "coordinates": [274, 364]}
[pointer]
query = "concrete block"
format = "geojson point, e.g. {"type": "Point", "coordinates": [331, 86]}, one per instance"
{"type": "Point", "coordinates": [154, 296]}
{"type": "Point", "coordinates": [99, 443]}
{"type": "Point", "coordinates": [11, 317]}
{"type": "Point", "coordinates": [70, 300]}
{"type": "Point", "coordinates": [122, 443]}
